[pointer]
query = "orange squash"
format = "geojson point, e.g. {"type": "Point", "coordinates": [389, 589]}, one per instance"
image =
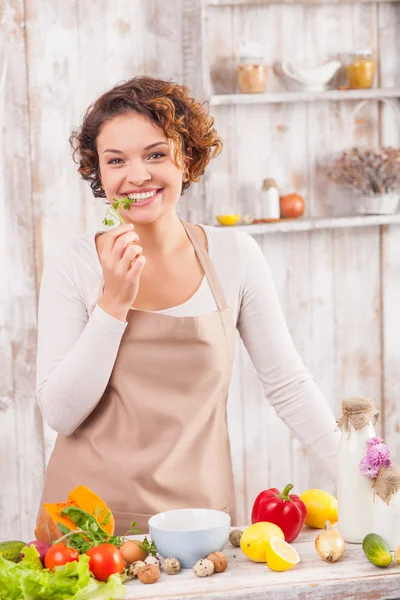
{"type": "Point", "coordinates": [50, 515]}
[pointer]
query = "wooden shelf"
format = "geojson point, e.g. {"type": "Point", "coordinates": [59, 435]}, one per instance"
{"type": "Point", "coordinates": [260, 2]}
{"type": "Point", "coordinates": [279, 97]}
{"type": "Point", "coordinates": [302, 224]}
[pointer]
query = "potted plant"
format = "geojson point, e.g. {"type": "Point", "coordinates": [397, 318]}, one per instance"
{"type": "Point", "coordinates": [373, 176]}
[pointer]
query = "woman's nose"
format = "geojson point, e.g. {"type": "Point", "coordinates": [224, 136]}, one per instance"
{"type": "Point", "coordinates": [138, 173]}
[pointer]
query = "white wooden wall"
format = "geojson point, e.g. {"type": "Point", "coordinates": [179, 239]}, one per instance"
{"type": "Point", "coordinates": [340, 290]}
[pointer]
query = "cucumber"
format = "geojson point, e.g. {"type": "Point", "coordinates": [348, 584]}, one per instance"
{"type": "Point", "coordinates": [376, 550]}
{"type": "Point", "coordinates": [11, 550]}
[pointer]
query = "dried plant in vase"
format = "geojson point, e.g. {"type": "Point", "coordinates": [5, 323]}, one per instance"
{"type": "Point", "coordinates": [374, 177]}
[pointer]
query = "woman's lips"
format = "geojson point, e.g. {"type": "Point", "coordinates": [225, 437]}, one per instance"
{"type": "Point", "coordinates": [146, 201]}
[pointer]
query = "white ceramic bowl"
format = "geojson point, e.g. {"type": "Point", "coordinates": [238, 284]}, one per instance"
{"type": "Point", "coordinates": [189, 534]}
{"type": "Point", "coordinates": [305, 79]}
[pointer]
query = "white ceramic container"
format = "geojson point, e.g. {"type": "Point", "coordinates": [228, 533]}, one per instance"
{"type": "Point", "coordinates": [189, 534]}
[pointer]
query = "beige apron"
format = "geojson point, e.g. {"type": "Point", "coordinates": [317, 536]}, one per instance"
{"type": "Point", "coordinates": [158, 438]}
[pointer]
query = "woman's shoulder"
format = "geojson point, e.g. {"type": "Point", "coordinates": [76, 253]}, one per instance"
{"type": "Point", "coordinates": [229, 240]}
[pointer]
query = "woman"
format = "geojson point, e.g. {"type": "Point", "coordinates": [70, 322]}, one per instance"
{"type": "Point", "coordinates": [137, 324]}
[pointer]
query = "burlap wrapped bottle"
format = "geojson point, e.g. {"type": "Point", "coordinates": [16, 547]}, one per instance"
{"type": "Point", "coordinates": [355, 493]}
{"type": "Point", "coordinates": [357, 412]}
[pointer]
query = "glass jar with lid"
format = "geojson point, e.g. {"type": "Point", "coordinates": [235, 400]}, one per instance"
{"type": "Point", "coordinates": [252, 71]}
{"type": "Point", "coordinates": [360, 69]}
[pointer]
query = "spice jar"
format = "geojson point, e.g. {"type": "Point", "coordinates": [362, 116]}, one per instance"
{"type": "Point", "coordinates": [386, 513]}
{"type": "Point", "coordinates": [360, 70]}
{"type": "Point", "coordinates": [252, 74]}
{"type": "Point", "coordinates": [355, 493]}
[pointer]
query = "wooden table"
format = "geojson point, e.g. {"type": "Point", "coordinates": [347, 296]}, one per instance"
{"type": "Point", "coordinates": [352, 577]}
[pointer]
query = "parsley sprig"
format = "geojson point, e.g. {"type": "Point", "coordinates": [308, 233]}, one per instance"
{"type": "Point", "coordinates": [90, 531]}
{"type": "Point", "coordinates": [113, 210]}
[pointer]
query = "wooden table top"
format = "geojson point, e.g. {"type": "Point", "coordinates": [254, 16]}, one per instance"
{"type": "Point", "coordinates": [352, 577]}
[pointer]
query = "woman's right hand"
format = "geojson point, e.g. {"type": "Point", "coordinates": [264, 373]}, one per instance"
{"type": "Point", "coordinates": [122, 261]}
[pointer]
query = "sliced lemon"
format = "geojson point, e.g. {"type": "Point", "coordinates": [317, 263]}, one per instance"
{"type": "Point", "coordinates": [281, 556]}
{"type": "Point", "coordinates": [255, 539]}
{"type": "Point", "coordinates": [228, 219]}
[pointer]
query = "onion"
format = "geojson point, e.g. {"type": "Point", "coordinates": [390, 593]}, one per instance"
{"type": "Point", "coordinates": [329, 544]}
{"type": "Point", "coordinates": [291, 206]}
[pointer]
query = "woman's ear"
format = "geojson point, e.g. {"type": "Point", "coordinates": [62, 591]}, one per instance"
{"type": "Point", "coordinates": [186, 165]}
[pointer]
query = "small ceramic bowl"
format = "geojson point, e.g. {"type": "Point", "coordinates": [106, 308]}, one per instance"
{"type": "Point", "coordinates": [189, 534]}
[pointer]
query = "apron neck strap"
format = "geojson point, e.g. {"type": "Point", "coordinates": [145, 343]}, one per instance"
{"type": "Point", "coordinates": [207, 265]}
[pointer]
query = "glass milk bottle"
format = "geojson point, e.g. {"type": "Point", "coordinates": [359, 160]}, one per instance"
{"type": "Point", "coordinates": [270, 203]}
{"type": "Point", "coordinates": [386, 510]}
{"type": "Point", "coordinates": [354, 490]}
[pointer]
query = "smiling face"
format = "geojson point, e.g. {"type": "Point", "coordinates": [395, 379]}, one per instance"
{"type": "Point", "coordinates": [137, 160]}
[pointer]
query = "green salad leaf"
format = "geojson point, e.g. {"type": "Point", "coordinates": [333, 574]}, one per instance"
{"type": "Point", "coordinates": [31, 558]}
{"type": "Point", "coordinates": [26, 581]}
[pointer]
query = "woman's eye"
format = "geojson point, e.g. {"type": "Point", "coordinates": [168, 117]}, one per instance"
{"type": "Point", "coordinates": [114, 161]}
{"type": "Point", "coordinates": [157, 154]}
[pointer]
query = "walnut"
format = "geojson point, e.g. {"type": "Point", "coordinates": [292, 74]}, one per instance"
{"type": "Point", "coordinates": [171, 565]}
{"type": "Point", "coordinates": [203, 568]}
{"type": "Point", "coordinates": [234, 537]}
{"type": "Point", "coordinates": [133, 569]}
{"type": "Point", "coordinates": [153, 560]}
{"type": "Point", "coordinates": [220, 561]}
{"type": "Point", "coordinates": [149, 574]}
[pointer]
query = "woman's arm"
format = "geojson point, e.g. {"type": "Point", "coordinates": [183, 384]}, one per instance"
{"type": "Point", "coordinates": [287, 383]}
{"type": "Point", "coordinates": [75, 354]}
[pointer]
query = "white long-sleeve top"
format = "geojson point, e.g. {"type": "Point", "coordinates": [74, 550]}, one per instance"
{"type": "Point", "coordinates": [78, 341]}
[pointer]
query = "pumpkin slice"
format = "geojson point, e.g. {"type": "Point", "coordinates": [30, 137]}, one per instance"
{"type": "Point", "coordinates": [82, 497]}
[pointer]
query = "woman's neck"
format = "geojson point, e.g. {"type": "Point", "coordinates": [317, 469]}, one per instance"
{"type": "Point", "coordinates": [162, 236]}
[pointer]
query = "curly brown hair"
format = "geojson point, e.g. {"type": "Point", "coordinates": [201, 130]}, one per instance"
{"type": "Point", "coordinates": [169, 106]}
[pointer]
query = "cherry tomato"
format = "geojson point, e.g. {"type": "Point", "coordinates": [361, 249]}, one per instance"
{"type": "Point", "coordinates": [59, 554]}
{"type": "Point", "coordinates": [105, 560]}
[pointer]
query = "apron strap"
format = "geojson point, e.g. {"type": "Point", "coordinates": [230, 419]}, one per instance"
{"type": "Point", "coordinates": [206, 263]}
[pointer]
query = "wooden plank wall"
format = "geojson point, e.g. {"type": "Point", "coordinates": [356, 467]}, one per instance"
{"type": "Point", "coordinates": [340, 290]}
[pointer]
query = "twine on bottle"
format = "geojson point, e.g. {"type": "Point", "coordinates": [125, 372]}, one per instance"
{"type": "Point", "coordinates": [358, 412]}
{"type": "Point", "coordinates": [387, 483]}
{"type": "Point", "coordinates": [268, 184]}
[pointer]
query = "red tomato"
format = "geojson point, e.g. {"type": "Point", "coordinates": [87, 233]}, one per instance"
{"type": "Point", "coordinates": [105, 560]}
{"type": "Point", "coordinates": [59, 554]}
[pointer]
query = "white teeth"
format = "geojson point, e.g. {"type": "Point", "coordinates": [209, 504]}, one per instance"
{"type": "Point", "coordinates": [142, 196]}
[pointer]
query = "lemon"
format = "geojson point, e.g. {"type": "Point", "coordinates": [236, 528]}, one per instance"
{"type": "Point", "coordinates": [397, 555]}
{"type": "Point", "coordinates": [255, 539]}
{"type": "Point", "coordinates": [321, 506]}
{"type": "Point", "coordinates": [280, 556]}
{"type": "Point", "coordinates": [228, 219]}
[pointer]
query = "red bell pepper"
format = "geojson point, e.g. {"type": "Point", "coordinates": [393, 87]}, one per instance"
{"type": "Point", "coordinates": [286, 511]}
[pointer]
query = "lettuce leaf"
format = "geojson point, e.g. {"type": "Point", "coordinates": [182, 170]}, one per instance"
{"type": "Point", "coordinates": [26, 581]}
{"type": "Point", "coordinates": [31, 558]}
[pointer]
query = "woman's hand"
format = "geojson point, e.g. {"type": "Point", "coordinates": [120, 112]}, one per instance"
{"type": "Point", "coordinates": [122, 261]}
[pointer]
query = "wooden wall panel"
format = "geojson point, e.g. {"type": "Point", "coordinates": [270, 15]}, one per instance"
{"type": "Point", "coordinates": [389, 35]}
{"type": "Point", "coordinates": [21, 439]}
{"type": "Point", "coordinates": [390, 323]}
